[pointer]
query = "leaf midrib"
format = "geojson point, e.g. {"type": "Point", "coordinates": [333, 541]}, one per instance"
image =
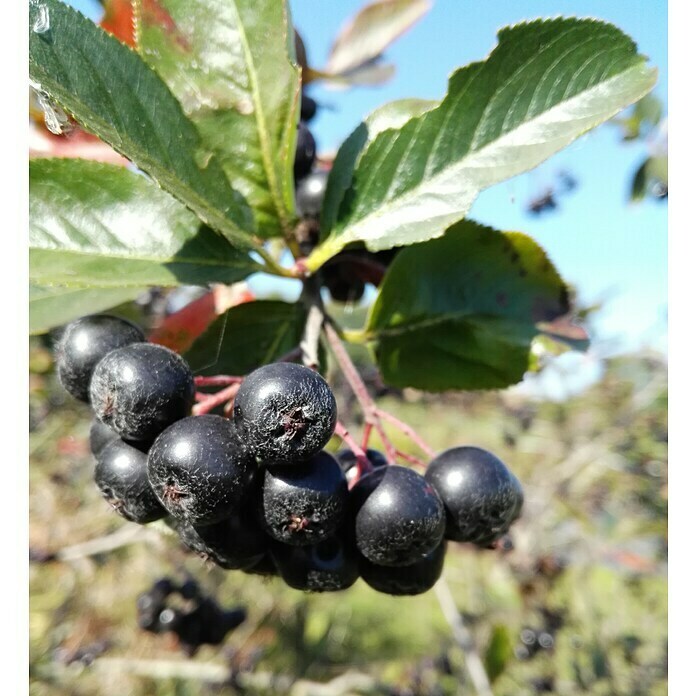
{"type": "Point", "coordinates": [259, 115]}
{"type": "Point", "coordinates": [446, 171]}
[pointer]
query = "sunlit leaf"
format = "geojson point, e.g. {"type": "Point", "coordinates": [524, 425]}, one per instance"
{"type": "Point", "coordinates": [112, 92]}
{"type": "Point", "coordinates": [94, 224]}
{"type": "Point", "coordinates": [54, 306]}
{"type": "Point", "coordinates": [546, 83]}
{"type": "Point", "coordinates": [230, 65]}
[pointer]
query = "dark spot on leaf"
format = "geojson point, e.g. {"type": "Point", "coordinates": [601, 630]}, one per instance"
{"type": "Point", "coordinates": [501, 299]}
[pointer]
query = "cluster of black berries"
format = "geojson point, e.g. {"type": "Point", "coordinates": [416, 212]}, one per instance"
{"type": "Point", "coordinates": [184, 610]}
{"type": "Point", "coordinates": [257, 492]}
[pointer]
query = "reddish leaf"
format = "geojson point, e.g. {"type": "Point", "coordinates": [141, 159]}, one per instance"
{"type": "Point", "coordinates": [118, 20]}
{"type": "Point", "coordinates": [178, 331]}
{"type": "Point", "coordinates": [154, 14]}
{"type": "Point", "coordinates": [79, 144]}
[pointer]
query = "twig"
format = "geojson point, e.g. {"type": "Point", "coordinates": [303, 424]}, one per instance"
{"type": "Point", "coordinates": [366, 435]}
{"type": "Point", "coordinates": [362, 463]}
{"type": "Point", "coordinates": [359, 389]}
{"type": "Point", "coordinates": [463, 638]}
{"type": "Point", "coordinates": [309, 345]}
{"type": "Point", "coordinates": [221, 397]}
{"type": "Point", "coordinates": [216, 381]}
{"type": "Point", "coordinates": [129, 534]}
{"type": "Point", "coordinates": [215, 673]}
{"type": "Point", "coordinates": [408, 431]}
{"type": "Point", "coordinates": [411, 459]}
{"type": "Point", "coordinates": [310, 340]}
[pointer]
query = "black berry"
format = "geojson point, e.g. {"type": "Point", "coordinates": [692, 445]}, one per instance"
{"type": "Point", "coordinates": [121, 476]}
{"type": "Point", "coordinates": [84, 343]}
{"type": "Point", "coordinates": [140, 389]}
{"type": "Point", "coordinates": [101, 435]}
{"type": "Point", "coordinates": [308, 108]}
{"type": "Point", "coordinates": [329, 566]}
{"type": "Point", "coordinates": [199, 469]}
{"type": "Point", "coordinates": [482, 497]}
{"type": "Point", "coordinates": [413, 579]}
{"type": "Point", "coordinates": [306, 152]}
{"type": "Point", "coordinates": [310, 193]}
{"type": "Point", "coordinates": [236, 542]}
{"type": "Point", "coordinates": [303, 504]}
{"type": "Point", "coordinates": [399, 517]}
{"type": "Point", "coordinates": [347, 460]}
{"type": "Point", "coordinates": [285, 413]}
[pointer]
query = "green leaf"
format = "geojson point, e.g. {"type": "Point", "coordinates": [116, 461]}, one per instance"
{"type": "Point", "coordinates": [459, 312]}
{"type": "Point", "coordinates": [248, 336]}
{"type": "Point", "coordinates": [54, 306]}
{"type": "Point", "coordinates": [653, 170]}
{"type": "Point", "coordinates": [498, 652]}
{"type": "Point", "coordinates": [546, 83]}
{"type": "Point", "coordinates": [96, 224]}
{"type": "Point", "coordinates": [113, 93]}
{"type": "Point", "coordinates": [645, 114]}
{"type": "Point", "coordinates": [370, 32]}
{"type": "Point", "coordinates": [391, 115]}
{"type": "Point", "coordinates": [230, 65]}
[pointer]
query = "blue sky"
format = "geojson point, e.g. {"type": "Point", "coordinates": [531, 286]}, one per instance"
{"type": "Point", "coordinates": [610, 250]}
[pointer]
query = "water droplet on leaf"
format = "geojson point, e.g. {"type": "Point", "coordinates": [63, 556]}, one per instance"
{"type": "Point", "coordinates": [42, 23]}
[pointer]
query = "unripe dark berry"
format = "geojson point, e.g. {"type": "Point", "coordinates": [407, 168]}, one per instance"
{"type": "Point", "coordinates": [84, 343]}
{"type": "Point", "coordinates": [399, 517]}
{"type": "Point", "coordinates": [413, 579]}
{"type": "Point", "coordinates": [199, 469]}
{"type": "Point", "coordinates": [329, 566]}
{"type": "Point", "coordinates": [121, 476]}
{"type": "Point", "coordinates": [310, 193]}
{"type": "Point", "coordinates": [140, 389]}
{"type": "Point", "coordinates": [306, 152]}
{"type": "Point", "coordinates": [482, 497]}
{"type": "Point", "coordinates": [285, 413]}
{"type": "Point", "coordinates": [303, 504]}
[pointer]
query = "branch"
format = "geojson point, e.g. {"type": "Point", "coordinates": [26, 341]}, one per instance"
{"type": "Point", "coordinates": [463, 638]}
{"type": "Point", "coordinates": [362, 464]}
{"type": "Point", "coordinates": [408, 431]}
{"type": "Point", "coordinates": [311, 296]}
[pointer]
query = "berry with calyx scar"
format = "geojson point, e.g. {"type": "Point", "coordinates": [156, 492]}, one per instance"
{"type": "Point", "coordinates": [303, 504]}
{"type": "Point", "coordinates": [200, 470]}
{"type": "Point", "coordinates": [285, 413]}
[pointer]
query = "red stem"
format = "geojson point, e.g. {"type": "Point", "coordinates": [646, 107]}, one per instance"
{"type": "Point", "coordinates": [408, 431]}
{"type": "Point", "coordinates": [362, 465]}
{"type": "Point", "coordinates": [213, 400]}
{"type": "Point", "coordinates": [216, 381]}
{"type": "Point", "coordinates": [411, 459]}
{"type": "Point", "coordinates": [359, 389]}
{"type": "Point", "coordinates": [366, 435]}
